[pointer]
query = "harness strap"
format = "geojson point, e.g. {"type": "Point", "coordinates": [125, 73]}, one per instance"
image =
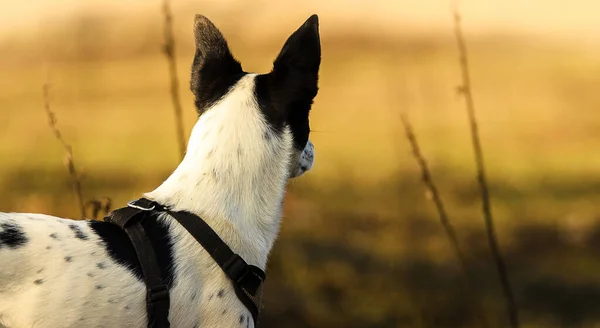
{"type": "Point", "coordinates": [157, 293]}
{"type": "Point", "coordinates": [246, 278]}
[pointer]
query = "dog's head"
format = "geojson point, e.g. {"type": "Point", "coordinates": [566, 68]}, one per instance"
{"type": "Point", "coordinates": [282, 97]}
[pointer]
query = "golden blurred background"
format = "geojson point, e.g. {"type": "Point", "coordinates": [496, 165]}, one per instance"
{"type": "Point", "coordinates": [361, 244]}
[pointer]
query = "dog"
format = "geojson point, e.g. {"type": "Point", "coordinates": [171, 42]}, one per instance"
{"type": "Point", "coordinates": [250, 139]}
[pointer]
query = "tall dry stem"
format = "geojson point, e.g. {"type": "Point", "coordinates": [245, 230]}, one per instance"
{"type": "Point", "coordinates": [69, 161]}
{"type": "Point", "coordinates": [466, 90]}
{"type": "Point", "coordinates": [99, 206]}
{"type": "Point", "coordinates": [169, 50]}
{"type": "Point", "coordinates": [473, 297]}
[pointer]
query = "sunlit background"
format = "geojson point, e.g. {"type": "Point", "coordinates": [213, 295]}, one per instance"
{"type": "Point", "coordinates": [361, 244]}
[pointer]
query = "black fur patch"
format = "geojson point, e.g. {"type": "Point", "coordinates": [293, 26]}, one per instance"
{"type": "Point", "coordinates": [12, 235]}
{"type": "Point", "coordinates": [78, 233]}
{"type": "Point", "coordinates": [121, 250]}
{"type": "Point", "coordinates": [214, 69]}
{"type": "Point", "coordinates": [285, 95]}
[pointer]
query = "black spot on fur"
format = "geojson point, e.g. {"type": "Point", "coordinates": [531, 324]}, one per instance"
{"type": "Point", "coordinates": [214, 69]}
{"type": "Point", "coordinates": [224, 311]}
{"type": "Point", "coordinates": [78, 232]}
{"type": "Point", "coordinates": [39, 281]}
{"type": "Point", "coordinates": [267, 135]}
{"type": "Point", "coordinates": [285, 95]}
{"type": "Point", "coordinates": [40, 270]}
{"type": "Point", "coordinates": [101, 265]}
{"type": "Point", "coordinates": [48, 247]}
{"type": "Point", "coordinates": [247, 321]}
{"type": "Point", "coordinates": [91, 275]}
{"type": "Point", "coordinates": [12, 235]}
{"type": "Point", "coordinates": [68, 258]}
{"type": "Point", "coordinates": [242, 317]}
{"type": "Point", "coordinates": [194, 295]}
{"type": "Point", "coordinates": [53, 236]}
{"type": "Point", "coordinates": [127, 307]}
{"type": "Point", "coordinates": [99, 287]}
{"type": "Point", "coordinates": [121, 250]}
{"type": "Point", "coordinates": [221, 293]}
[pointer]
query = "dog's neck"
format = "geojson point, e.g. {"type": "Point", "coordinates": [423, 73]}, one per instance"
{"type": "Point", "coordinates": [234, 174]}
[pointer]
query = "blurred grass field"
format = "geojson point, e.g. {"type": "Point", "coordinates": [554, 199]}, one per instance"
{"type": "Point", "coordinates": [361, 245]}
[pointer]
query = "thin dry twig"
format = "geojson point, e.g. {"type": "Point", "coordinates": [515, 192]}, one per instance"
{"type": "Point", "coordinates": [473, 297]}
{"type": "Point", "coordinates": [466, 91]}
{"type": "Point", "coordinates": [69, 162]}
{"type": "Point", "coordinates": [169, 50]}
{"type": "Point", "coordinates": [97, 206]}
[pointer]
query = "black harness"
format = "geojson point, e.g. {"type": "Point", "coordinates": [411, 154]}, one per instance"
{"type": "Point", "coordinates": [246, 279]}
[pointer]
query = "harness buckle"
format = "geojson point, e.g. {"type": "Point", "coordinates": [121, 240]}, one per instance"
{"type": "Point", "coordinates": [158, 293]}
{"type": "Point", "coordinates": [242, 275]}
{"type": "Point", "coordinates": [135, 204]}
{"type": "Point", "coordinates": [236, 268]}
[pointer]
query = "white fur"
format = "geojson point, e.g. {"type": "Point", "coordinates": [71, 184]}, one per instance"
{"type": "Point", "coordinates": [232, 176]}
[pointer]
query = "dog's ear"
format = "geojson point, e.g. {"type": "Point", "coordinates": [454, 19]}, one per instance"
{"type": "Point", "coordinates": [286, 94]}
{"type": "Point", "coordinates": [301, 53]}
{"type": "Point", "coordinates": [296, 68]}
{"type": "Point", "coordinates": [214, 69]}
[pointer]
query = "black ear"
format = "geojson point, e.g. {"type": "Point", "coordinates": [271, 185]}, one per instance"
{"type": "Point", "coordinates": [296, 69]}
{"type": "Point", "coordinates": [302, 50]}
{"type": "Point", "coordinates": [214, 70]}
{"type": "Point", "coordinates": [286, 94]}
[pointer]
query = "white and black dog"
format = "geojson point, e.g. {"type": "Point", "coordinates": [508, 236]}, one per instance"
{"type": "Point", "coordinates": [252, 135]}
